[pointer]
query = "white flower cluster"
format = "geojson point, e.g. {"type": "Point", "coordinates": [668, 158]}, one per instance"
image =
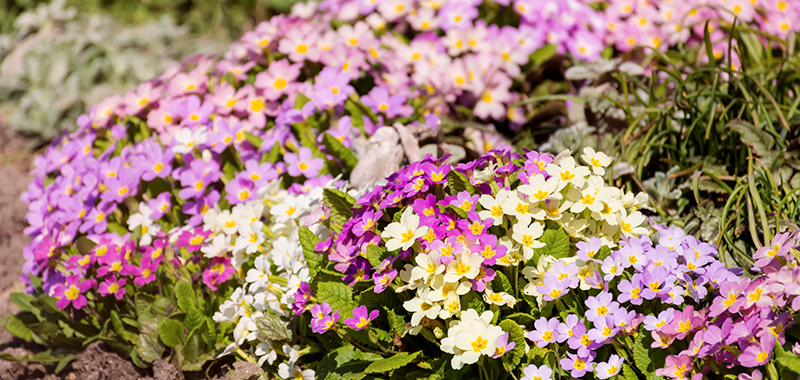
{"type": "Point", "coordinates": [574, 196]}
{"type": "Point", "coordinates": [265, 232]}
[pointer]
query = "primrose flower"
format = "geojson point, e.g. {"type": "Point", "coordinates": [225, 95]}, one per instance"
{"type": "Point", "coordinates": [112, 286]}
{"type": "Point", "coordinates": [577, 365]}
{"type": "Point", "coordinates": [361, 318]}
{"type": "Point", "coordinates": [503, 346]}
{"type": "Point", "coordinates": [471, 337]}
{"type": "Point", "coordinates": [676, 367]}
{"type": "Point", "coordinates": [404, 234]}
{"type": "Point", "coordinates": [303, 163]}
{"type": "Point", "coordinates": [323, 320]}
{"type": "Point", "coordinates": [218, 271]}
{"type": "Point", "coordinates": [72, 292]}
{"type": "Point", "coordinates": [546, 332]}
{"type": "Point", "coordinates": [532, 372]}
{"type": "Point", "coordinates": [596, 160]}
{"type": "Point", "coordinates": [609, 368]}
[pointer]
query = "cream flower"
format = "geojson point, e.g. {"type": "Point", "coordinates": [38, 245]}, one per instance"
{"type": "Point", "coordinates": [404, 234]}
{"type": "Point", "coordinates": [527, 236]}
{"type": "Point", "coordinates": [566, 171]}
{"type": "Point", "coordinates": [596, 160]}
{"type": "Point", "coordinates": [493, 206]}
{"type": "Point", "coordinates": [471, 337]}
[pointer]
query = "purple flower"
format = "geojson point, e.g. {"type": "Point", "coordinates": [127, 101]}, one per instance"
{"type": "Point", "coordinates": [361, 318]}
{"type": "Point", "coordinates": [72, 292]}
{"type": "Point", "coordinates": [603, 330]}
{"type": "Point", "coordinates": [577, 365]}
{"type": "Point", "coordinates": [113, 262]}
{"type": "Point", "coordinates": [464, 201]}
{"type": "Point", "coordinates": [546, 332]}
{"type": "Point", "coordinates": [197, 177]}
{"type": "Point", "coordinates": [588, 250]}
{"type": "Point", "coordinates": [553, 288]}
{"type": "Point", "coordinates": [383, 280]}
{"type": "Point", "coordinates": [331, 88]}
{"type": "Point", "coordinates": [503, 346]}
{"type": "Point", "coordinates": [474, 228]}
{"type": "Point", "coordinates": [303, 163]}
{"type": "Point", "coordinates": [610, 368]}
{"type": "Point", "coordinates": [145, 273]}
{"type": "Point", "coordinates": [600, 306]}
{"type": "Point", "coordinates": [630, 291]}
{"type": "Point", "coordinates": [321, 318]}
{"type": "Point", "coordinates": [240, 190]}
{"type": "Point", "coordinates": [676, 367]}
{"type": "Point", "coordinates": [301, 297]}
{"type": "Point", "coordinates": [380, 101]}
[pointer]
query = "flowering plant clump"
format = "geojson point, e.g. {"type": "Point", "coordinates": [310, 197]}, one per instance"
{"type": "Point", "coordinates": [532, 266]}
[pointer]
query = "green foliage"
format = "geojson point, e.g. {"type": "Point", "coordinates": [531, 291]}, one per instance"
{"type": "Point", "coordinates": [338, 295]}
{"type": "Point", "coordinates": [340, 204]}
{"type": "Point", "coordinates": [556, 243]}
{"type": "Point", "coordinates": [391, 363]}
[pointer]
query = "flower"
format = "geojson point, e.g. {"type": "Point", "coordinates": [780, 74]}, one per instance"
{"type": "Point", "coordinates": [532, 372]}
{"type": "Point", "coordinates": [361, 318]}
{"type": "Point", "coordinates": [577, 365]}
{"type": "Point", "coordinates": [302, 163]}
{"type": "Point", "coordinates": [404, 234]}
{"type": "Point", "coordinates": [609, 368]}
{"type": "Point", "coordinates": [471, 337]}
{"type": "Point", "coordinates": [72, 292]}
{"type": "Point", "coordinates": [112, 286]}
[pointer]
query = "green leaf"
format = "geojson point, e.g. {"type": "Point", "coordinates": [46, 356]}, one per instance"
{"type": "Point", "coordinates": [309, 241]}
{"type": "Point", "coordinates": [501, 283]}
{"type": "Point", "coordinates": [473, 300]}
{"type": "Point", "coordinates": [193, 319]}
{"type": "Point", "coordinates": [149, 347]}
{"type": "Point", "coordinates": [516, 335]}
{"type": "Point", "coordinates": [273, 327]}
{"type": "Point", "coordinates": [789, 361]}
{"type": "Point", "coordinates": [396, 322]}
{"type": "Point", "coordinates": [337, 149]}
{"type": "Point", "coordinates": [84, 245]}
{"type": "Point", "coordinates": [391, 363]}
{"type": "Point", "coordinates": [253, 139]}
{"type": "Point", "coordinates": [185, 296]}
{"type": "Point", "coordinates": [628, 373]}
{"type": "Point", "coordinates": [119, 328]}
{"type": "Point", "coordinates": [13, 325]}
{"type": "Point", "coordinates": [457, 182]}
{"type": "Point", "coordinates": [171, 332]}
{"type": "Point", "coordinates": [556, 244]}
{"type": "Point", "coordinates": [300, 101]}
{"type": "Point", "coordinates": [375, 255]}
{"type": "Point", "coordinates": [191, 350]}
{"type": "Point", "coordinates": [603, 253]}
{"type": "Point", "coordinates": [542, 54]}
{"type": "Point", "coordinates": [338, 295]}
{"type": "Point", "coordinates": [522, 318]}
{"type": "Point", "coordinates": [647, 359]}
{"type": "Point", "coordinates": [761, 141]}
{"type": "Point", "coordinates": [340, 204]}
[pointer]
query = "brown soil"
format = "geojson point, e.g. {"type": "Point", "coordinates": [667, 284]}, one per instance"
{"type": "Point", "coordinates": [98, 362]}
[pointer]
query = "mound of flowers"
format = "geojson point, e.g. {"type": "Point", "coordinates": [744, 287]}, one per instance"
{"type": "Point", "coordinates": [229, 207]}
{"type": "Point", "coordinates": [536, 267]}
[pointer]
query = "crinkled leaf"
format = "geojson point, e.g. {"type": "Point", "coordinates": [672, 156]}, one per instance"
{"type": "Point", "coordinates": [628, 373]}
{"type": "Point", "coordinates": [185, 296]}
{"type": "Point", "coordinates": [391, 363]}
{"type": "Point", "coordinates": [171, 332]}
{"type": "Point", "coordinates": [375, 255]}
{"type": "Point", "coordinates": [457, 182]}
{"type": "Point", "coordinates": [556, 244]}
{"type": "Point", "coordinates": [273, 327]}
{"type": "Point", "coordinates": [149, 347]}
{"type": "Point", "coordinates": [517, 335]}
{"type": "Point", "coordinates": [308, 241]}
{"type": "Point", "coordinates": [338, 295]}
{"type": "Point", "coordinates": [191, 350]}
{"type": "Point", "coordinates": [193, 319]}
{"type": "Point", "coordinates": [473, 300]}
{"type": "Point", "coordinates": [761, 141]}
{"type": "Point", "coordinates": [789, 361]}
{"type": "Point", "coordinates": [13, 325]}
{"type": "Point", "coordinates": [340, 204]}
{"type": "Point", "coordinates": [337, 149]}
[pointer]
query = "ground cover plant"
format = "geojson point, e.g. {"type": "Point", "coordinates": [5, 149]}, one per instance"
{"type": "Point", "coordinates": [334, 197]}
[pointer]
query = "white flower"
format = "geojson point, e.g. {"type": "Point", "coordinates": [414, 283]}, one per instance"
{"type": "Point", "coordinates": [527, 235]}
{"type": "Point", "coordinates": [566, 171]}
{"type": "Point", "coordinates": [465, 265]}
{"type": "Point", "coordinates": [250, 238]}
{"type": "Point", "coordinates": [404, 234]}
{"type": "Point", "coordinates": [218, 247]}
{"type": "Point", "coordinates": [142, 218]}
{"type": "Point", "coordinates": [259, 276]}
{"type": "Point", "coordinates": [285, 252]}
{"type": "Point", "coordinates": [265, 352]}
{"type": "Point", "coordinates": [292, 371]}
{"type": "Point", "coordinates": [596, 160]}
{"type": "Point", "coordinates": [589, 198]}
{"type": "Point", "coordinates": [421, 306]}
{"type": "Point", "coordinates": [539, 189]}
{"type": "Point", "coordinates": [519, 206]}
{"type": "Point", "coordinates": [630, 224]}
{"type": "Point", "coordinates": [290, 208]}
{"type": "Point", "coordinates": [186, 140]}
{"type": "Point", "coordinates": [426, 267]}
{"type": "Point", "coordinates": [493, 206]}
{"type": "Point", "coordinates": [498, 298]}
{"type": "Point", "coordinates": [471, 337]}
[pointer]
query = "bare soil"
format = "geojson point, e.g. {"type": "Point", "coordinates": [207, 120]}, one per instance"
{"type": "Point", "coordinates": [98, 362]}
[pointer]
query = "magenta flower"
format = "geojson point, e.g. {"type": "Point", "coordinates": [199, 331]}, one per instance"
{"type": "Point", "coordinates": [757, 354]}
{"type": "Point", "coordinates": [193, 240]}
{"type": "Point", "coordinates": [278, 79]}
{"type": "Point", "coordinates": [361, 318]}
{"type": "Point", "coordinates": [113, 262]}
{"type": "Point", "coordinates": [112, 286]}
{"type": "Point", "coordinates": [464, 201]}
{"type": "Point", "coordinates": [303, 163]}
{"type": "Point", "coordinates": [301, 297]}
{"type": "Point", "coordinates": [72, 292]}
{"type": "Point", "coordinates": [145, 273]}
{"type": "Point", "coordinates": [218, 271]}
{"type": "Point", "coordinates": [322, 319]}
